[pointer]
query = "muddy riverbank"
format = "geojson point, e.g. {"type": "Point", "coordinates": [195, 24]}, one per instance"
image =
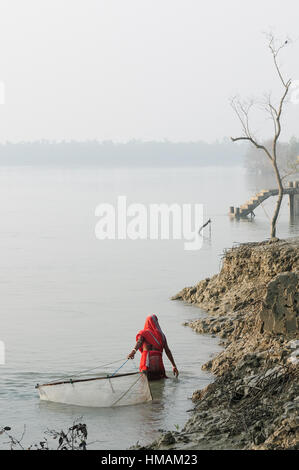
{"type": "Point", "coordinates": [253, 306]}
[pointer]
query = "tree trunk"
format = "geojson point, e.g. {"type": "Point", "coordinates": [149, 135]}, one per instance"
{"type": "Point", "coordinates": [279, 200]}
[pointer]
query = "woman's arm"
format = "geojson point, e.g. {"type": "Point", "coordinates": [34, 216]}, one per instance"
{"type": "Point", "coordinates": [170, 357]}
{"type": "Point", "coordinates": [137, 346]}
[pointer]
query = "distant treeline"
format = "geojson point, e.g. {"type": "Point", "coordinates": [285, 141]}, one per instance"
{"type": "Point", "coordinates": [260, 172]}
{"type": "Point", "coordinates": [133, 153]}
{"type": "Point", "coordinates": [287, 157]}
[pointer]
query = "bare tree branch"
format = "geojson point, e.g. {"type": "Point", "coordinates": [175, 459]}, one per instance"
{"type": "Point", "coordinates": [242, 111]}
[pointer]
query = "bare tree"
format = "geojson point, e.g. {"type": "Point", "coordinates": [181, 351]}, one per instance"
{"type": "Point", "coordinates": [242, 110]}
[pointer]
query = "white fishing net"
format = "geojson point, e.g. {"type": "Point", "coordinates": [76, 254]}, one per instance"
{"type": "Point", "coordinates": [119, 390]}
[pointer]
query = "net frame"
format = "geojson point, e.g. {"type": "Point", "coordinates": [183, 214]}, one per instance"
{"type": "Point", "coordinates": [104, 391]}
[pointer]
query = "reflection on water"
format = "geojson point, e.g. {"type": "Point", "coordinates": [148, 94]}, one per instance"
{"type": "Point", "coordinates": [70, 302]}
{"type": "Point", "coordinates": [157, 389]}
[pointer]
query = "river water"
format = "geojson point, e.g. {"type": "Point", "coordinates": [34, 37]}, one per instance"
{"type": "Point", "coordinates": [70, 302]}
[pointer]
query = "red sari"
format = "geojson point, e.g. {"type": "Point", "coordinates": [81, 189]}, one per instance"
{"type": "Point", "coordinates": [151, 360]}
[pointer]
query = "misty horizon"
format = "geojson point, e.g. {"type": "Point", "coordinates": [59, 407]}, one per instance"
{"type": "Point", "coordinates": [132, 153]}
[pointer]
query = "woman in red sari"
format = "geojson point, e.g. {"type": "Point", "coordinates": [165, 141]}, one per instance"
{"type": "Point", "coordinates": [151, 342]}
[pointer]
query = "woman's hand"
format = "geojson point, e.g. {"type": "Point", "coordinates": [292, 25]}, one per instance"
{"type": "Point", "coordinates": [175, 371]}
{"type": "Point", "coordinates": [132, 354]}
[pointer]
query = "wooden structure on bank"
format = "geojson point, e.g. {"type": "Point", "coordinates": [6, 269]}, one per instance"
{"type": "Point", "coordinates": [249, 207]}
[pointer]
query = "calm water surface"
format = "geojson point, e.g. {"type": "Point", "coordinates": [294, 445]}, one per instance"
{"type": "Point", "coordinates": [70, 302]}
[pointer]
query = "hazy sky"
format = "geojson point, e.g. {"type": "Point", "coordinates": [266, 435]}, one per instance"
{"type": "Point", "coordinates": [144, 69]}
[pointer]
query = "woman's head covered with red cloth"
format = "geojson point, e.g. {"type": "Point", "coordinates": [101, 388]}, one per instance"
{"type": "Point", "coordinates": [152, 333]}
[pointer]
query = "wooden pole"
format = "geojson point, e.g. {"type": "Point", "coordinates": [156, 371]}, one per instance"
{"type": "Point", "coordinates": [291, 199]}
